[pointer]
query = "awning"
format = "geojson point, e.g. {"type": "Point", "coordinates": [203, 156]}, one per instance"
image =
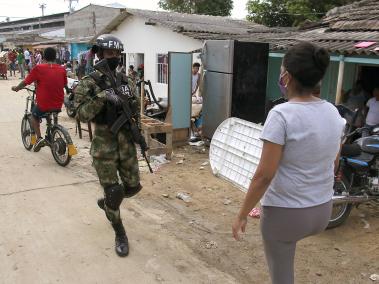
{"type": "Point", "coordinates": [42, 46]}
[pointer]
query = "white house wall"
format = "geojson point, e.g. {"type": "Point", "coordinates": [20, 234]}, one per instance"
{"type": "Point", "coordinates": [152, 40]}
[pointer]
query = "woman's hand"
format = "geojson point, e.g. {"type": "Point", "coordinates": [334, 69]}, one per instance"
{"type": "Point", "coordinates": [239, 225]}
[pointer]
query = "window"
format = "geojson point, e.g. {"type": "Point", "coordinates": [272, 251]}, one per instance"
{"type": "Point", "coordinates": [131, 59]}
{"type": "Point", "coordinates": [162, 66]}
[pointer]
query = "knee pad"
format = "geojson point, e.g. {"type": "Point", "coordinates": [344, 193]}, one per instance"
{"type": "Point", "coordinates": [131, 191]}
{"type": "Point", "coordinates": [114, 194]}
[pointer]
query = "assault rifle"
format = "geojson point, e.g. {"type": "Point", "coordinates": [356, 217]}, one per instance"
{"type": "Point", "coordinates": [126, 116]}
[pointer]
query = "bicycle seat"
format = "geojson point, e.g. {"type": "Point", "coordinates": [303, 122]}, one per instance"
{"type": "Point", "coordinates": [54, 111]}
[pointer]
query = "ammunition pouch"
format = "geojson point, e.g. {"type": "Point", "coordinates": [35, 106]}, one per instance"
{"type": "Point", "coordinates": [110, 114]}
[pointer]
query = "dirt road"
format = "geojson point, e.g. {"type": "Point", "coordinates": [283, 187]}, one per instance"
{"type": "Point", "coordinates": [51, 230]}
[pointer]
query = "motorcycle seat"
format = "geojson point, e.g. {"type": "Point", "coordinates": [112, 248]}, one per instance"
{"type": "Point", "coordinates": [361, 162]}
{"type": "Point", "coordinates": [350, 150]}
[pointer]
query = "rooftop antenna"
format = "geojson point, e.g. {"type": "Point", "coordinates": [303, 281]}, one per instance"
{"type": "Point", "coordinates": [70, 7]}
{"type": "Point", "coordinates": [42, 7]}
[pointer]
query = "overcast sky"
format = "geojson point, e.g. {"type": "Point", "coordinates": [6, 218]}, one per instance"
{"type": "Point", "coordinates": [30, 8]}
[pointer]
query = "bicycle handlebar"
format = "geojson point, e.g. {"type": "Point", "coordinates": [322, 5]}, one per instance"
{"type": "Point", "coordinates": [30, 90]}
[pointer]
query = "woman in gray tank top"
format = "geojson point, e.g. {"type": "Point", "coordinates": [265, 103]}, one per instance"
{"type": "Point", "coordinates": [295, 176]}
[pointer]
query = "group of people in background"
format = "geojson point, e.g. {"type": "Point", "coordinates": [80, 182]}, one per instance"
{"type": "Point", "coordinates": [364, 106]}
{"type": "Point", "coordinates": [23, 61]}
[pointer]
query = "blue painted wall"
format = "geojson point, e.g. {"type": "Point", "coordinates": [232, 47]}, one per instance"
{"type": "Point", "coordinates": [76, 48]}
{"type": "Point", "coordinates": [329, 83]}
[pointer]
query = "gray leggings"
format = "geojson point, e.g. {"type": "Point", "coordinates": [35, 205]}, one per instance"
{"type": "Point", "coordinates": [282, 228]}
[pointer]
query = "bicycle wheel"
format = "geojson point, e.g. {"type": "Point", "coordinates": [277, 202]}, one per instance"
{"type": "Point", "coordinates": [27, 133]}
{"type": "Point", "coordinates": [60, 141]}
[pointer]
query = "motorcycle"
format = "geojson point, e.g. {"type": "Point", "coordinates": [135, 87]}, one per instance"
{"type": "Point", "coordinates": [357, 180]}
{"type": "Point", "coordinates": [69, 97]}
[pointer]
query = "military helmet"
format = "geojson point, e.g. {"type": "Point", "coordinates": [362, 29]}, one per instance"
{"type": "Point", "coordinates": [108, 41]}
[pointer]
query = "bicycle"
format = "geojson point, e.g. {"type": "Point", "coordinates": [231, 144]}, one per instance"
{"type": "Point", "coordinates": [56, 136]}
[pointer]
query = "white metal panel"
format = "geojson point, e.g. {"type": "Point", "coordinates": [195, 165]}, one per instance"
{"type": "Point", "coordinates": [235, 151]}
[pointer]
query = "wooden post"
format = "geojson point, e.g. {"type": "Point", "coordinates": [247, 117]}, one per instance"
{"type": "Point", "coordinates": [142, 98]}
{"type": "Point", "coordinates": [341, 71]}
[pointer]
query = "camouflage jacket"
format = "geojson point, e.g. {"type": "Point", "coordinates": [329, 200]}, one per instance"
{"type": "Point", "coordinates": [90, 98]}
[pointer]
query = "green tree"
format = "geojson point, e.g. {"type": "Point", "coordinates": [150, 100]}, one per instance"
{"type": "Point", "coordinates": [290, 12]}
{"type": "Point", "coordinates": [201, 7]}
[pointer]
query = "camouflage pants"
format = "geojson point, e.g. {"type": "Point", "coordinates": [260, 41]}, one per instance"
{"type": "Point", "coordinates": [115, 156]}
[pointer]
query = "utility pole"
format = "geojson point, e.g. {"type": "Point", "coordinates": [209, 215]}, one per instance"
{"type": "Point", "coordinates": [70, 7]}
{"type": "Point", "coordinates": [42, 7]}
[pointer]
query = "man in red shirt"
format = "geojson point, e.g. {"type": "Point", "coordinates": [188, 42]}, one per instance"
{"type": "Point", "coordinates": [50, 79]}
{"type": "Point", "coordinates": [12, 62]}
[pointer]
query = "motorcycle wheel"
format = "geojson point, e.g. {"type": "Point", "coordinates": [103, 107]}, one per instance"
{"type": "Point", "coordinates": [340, 211]}
{"type": "Point", "coordinates": [27, 132]}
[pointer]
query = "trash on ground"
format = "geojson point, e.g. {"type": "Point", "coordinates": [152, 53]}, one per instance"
{"type": "Point", "coordinates": [367, 224]}
{"type": "Point", "coordinates": [155, 162]}
{"type": "Point", "coordinates": [183, 196]}
{"type": "Point", "coordinates": [161, 159]}
{"type": "Point", "coordinates": [255, 213]}
{"type": "Point", "coordinates": [210, 245]}
{"type": "Point", "coordinates": [201, 168]}
{"type": "Point", "coordinates": [165, 195]}
{"type": "Point", "coordinates": [197, 144]}
{"type": "Point", "coordinates": [374, 277]}
{"type": "Point", "coordinates": [227, 201]}
{"type": "Point", "coordinates": [180, 162]}
{"type": "Point", "coordinates": [194, 139]}
{"type": "Point", "coordinates": [179, 156]}
{"type": "Point", "coordinates": [205, 164]}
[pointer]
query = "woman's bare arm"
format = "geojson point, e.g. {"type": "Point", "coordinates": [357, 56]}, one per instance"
{"type": "Point", "coordinates": [268, 165]}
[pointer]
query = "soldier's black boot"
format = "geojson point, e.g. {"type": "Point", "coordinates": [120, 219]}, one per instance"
{"type": "Point", "coordinates": [101, 203]}
{"type": "Point", "coordinates": [121, 240]}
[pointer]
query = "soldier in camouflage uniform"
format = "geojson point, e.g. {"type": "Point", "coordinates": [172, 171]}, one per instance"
{"type": "Point", "coordinates": [114, 155]}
